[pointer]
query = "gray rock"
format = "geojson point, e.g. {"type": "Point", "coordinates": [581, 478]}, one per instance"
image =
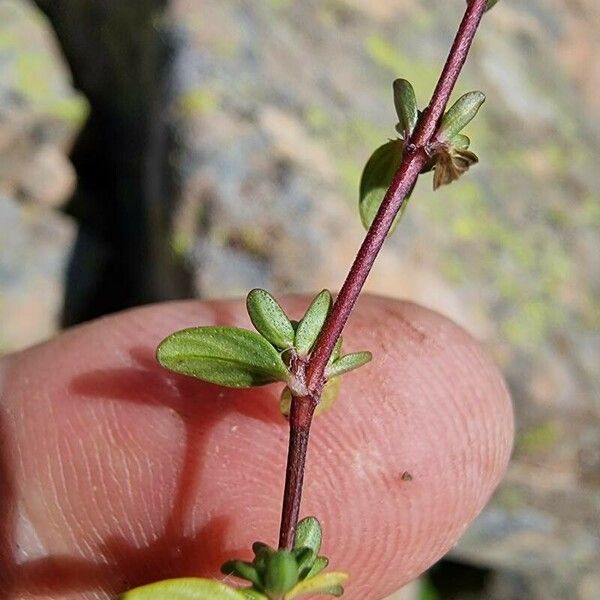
{"type": "Point", "coordinates": [40, 115]}
{"type": "Point", "coordinates": [40, 112]}
{"type": "Point", "coordinates": [35, 244]}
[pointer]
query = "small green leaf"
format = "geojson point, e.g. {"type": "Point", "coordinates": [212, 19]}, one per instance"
{"type": "Point", "coordinates": [376, 179]}
{"type": "Point", "coordinates": [324, 583]}
{"type": "Point", "coordinates": [187, 588]}
{"type": "Point", "coordinates": [320, 563]}
{"type": "Point", "coordinates": [311, 324]}
{"type": "Point", "coordinates": [329, 395]}
{"type": "Point", "coordinates": [460, 114]}
{"type": "Point", "coordinates": [261, 553]}
{"type": "Point", "coordinates": [405, 102]}
{"type": "Point", "coordinates": [227, 356]}
{"type": "Point", "coordinates": [337, 351]}
{"type": "Point", "coordinates": [489, 4]}
{"type": "Point", "coordinates": [460, 141]}
{"type": "Point", "coordinates": [285, 401]}
{"type": "Point", "coordinates": [305, 558]}
{"type": "Point", "coordinates": [269, 319]}
{"type": "Point", "coordinates": [308, 534]}
{"type": "Point", "coordinates": [348, 363]}
{"type": "Point", "coordinates": [281, 573]}
{"type": "Point", "coordinates": [243, 570]}
{"type": "Point", "coordinates": [261, 547]}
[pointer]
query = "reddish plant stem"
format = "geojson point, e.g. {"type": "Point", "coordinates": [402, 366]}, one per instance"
{"type": "Point", "coordinates": [456, 59]}
{"type": "Point", "coordinates": [415, 158]}
{"type": "Point", "coordinates": [403, 181]}
{"type": "Point", "coordinates": [301, 413]}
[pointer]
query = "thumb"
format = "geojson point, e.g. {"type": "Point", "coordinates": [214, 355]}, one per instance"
{"type": "Point", "coordinates": [116, 472]}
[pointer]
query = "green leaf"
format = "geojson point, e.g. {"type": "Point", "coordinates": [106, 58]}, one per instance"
{"type": "Point", "coordinates": [311, 324]}
{"type": "Point", "coordinates": [309, 534]}
{"type": "Point", "coordinates": [269, 319]}
{"type": "Point", "coordinates": [187, 588]}
{"type": "Point", "coordinates": [348, 363]}
{"type": "Point", "coordinates": [261, 553]}
{"type": "Point", "coordinates": [329, 395]}
{"type": "Point", "coordinates": [337, 351]}
{"type": "Point", "coordinates": [324, 583]}
{"type": "Point", "coordinates": [320, 563]}
{"type": "Point", "coordinates": [405, 102]}
{"type": "Point", "coordinates": [308, 537]}
{"type": "Point", "coordinates": [281, 573]}
{"type": "Point", "coordinates": [305, 558]}
{"type": "Point", "coordinates": [376, 179]}
{"type": "Point", "coordinates": [260, 547]}
{"type": "Point", "coordinates": [460, 141]}
{"type": "Point", "coordinates": [285, 401]}
{"type": "Point", "coordinates": [227, 356]}
{"type": "Point", "coordinates": [460, 114]}
{"type": "Point", "coordinates": [243, 570]}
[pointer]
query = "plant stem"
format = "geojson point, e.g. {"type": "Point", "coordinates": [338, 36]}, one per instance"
{"type": "Point", "coordinates": [301, 414]}
{"type": "Point", "coordinates": [406, 176]}
{"type": "Point", "coordinates": [415, 158]}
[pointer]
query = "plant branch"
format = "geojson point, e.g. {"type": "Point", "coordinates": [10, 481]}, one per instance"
{"type": "Point", "coordinates": [416, 156]}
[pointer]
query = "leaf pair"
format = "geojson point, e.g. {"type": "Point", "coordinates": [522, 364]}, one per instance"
{"type": "Point", "coordinates": [274, 574]}
{"type": "Point", "coordinates": [238, 358]}
{"type": "Point", "coordinates": [386, 160]}
{"type": "Point", "coordinates": [450, 160]}
{"type": "Point", "coordinates": [282, 574]}
{"type": "Point", "coordinates": [273, 324]}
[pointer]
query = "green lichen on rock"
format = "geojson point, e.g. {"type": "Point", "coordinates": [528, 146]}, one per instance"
{"type": "Point", "coordinates": [32, 68]}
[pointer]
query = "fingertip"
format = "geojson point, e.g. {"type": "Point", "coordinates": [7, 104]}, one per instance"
{"type": "Point", "coordinates": [115, 452]}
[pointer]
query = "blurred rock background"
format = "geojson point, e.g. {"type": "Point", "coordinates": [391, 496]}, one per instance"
{"type": "Point", "coordinates": [160, 149]}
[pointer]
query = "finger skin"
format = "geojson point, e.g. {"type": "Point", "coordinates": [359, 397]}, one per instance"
{"type": "Point", "coordinates": [116, 472]}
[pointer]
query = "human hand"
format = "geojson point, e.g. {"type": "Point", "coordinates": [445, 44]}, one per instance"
{"type": "Point", "coordinates": [115, 472]}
